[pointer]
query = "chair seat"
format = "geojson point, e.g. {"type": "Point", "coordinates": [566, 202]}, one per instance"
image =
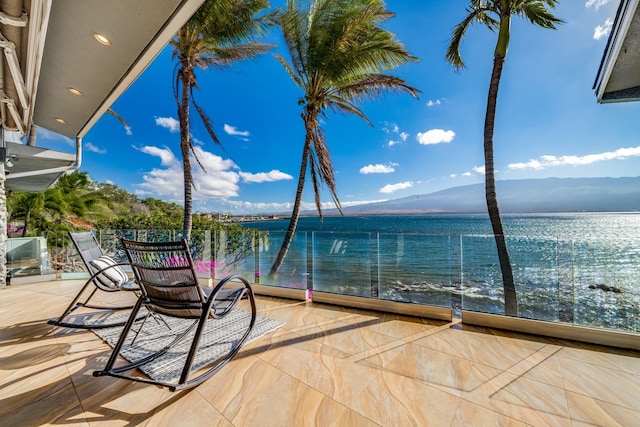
{"type": "Point", "coordinates": [131, 285]}
{"type": "Point", "coordinates": [225, 299]}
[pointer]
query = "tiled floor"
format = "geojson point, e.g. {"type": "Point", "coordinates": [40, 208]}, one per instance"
{"type": "Point", "coordinates": [327, 366]}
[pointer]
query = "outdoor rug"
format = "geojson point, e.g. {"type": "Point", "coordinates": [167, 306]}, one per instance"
{"type": "Point", "coordinates": [217, 339]}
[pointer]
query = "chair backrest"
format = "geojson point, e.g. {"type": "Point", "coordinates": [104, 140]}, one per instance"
{"type": "Point", "coordinates": [165, 273]}
{"type": "Point", "coordinates": [87, 246]}
{"type": "Point", "coordinates": [106, 275]}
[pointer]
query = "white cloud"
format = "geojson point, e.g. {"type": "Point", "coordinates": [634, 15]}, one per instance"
{"type": "Point", "coordinates": [432, 103]}
{"type": "Point", "coordinates": [388, 168]}
{"type": "Point", "coordinates": [127, 129]}
{"type": "Point", "coordinates": [435, 136]}
{"type": "Point", "coordinates": [391, 143]}
{"type": "Point", "coordinates": [232, 130]}
{"type": "Point", "coordinates": [52, 136]}
{"type": "Point", "coordinates": [393, 128]}
{"type": "Point", "coordinates": [467, 174]}
{"type": "Point", "coordinates": [169, 123]}
{"type": "Point", "coordinates": [597, 3]}
{"type": "Point", "coordinates": [479, 169]}
{"type": "Point", "coordinates": [90, 147]}
{"type": "Point", "coordinates": [219, 181]}
{"type": "Point", "coordinates": [240, 206]}
{"type": "Point", "coordinates": [551, 161]}
{"type": "Point", "coordinates": [404, 136]}
{"type": "Point", "coordinates": [392, 188]}
{"type": "Point", "coordinates": [274, 175]}
{"type": "Point", "coordinates": [603, 30]}
{"type": "Point", "coordinates": [266, 207]}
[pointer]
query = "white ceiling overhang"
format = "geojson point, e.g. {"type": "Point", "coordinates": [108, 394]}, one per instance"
{"type": "Point", "coordinates": [618, 78]}
{"type": "Point", "coordinates": [138, 30]}
{"type": "Point", "coordinates": [33, 167]}
{"type": "Point", "coordinates": [49, 48]}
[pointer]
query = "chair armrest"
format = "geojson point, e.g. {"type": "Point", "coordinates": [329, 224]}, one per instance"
{"type": "Point", "coordinates": [221, 301]}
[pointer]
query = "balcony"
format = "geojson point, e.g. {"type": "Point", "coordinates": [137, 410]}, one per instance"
{"type": "Point", "coordinates": [328, 365]}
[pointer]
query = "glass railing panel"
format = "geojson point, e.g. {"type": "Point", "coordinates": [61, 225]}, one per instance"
{"type": "Point", "coordinates": [342, 263]}
{"type": "Point", "coordinates": [110, 241]}
{"type": "Point", "coordinates": [534, 263]}
{"type": "Point", "coordinates": [415, 268]}
{"type": "Point", "coordinates": [481, 279]}
{"type": "Point", "coordinates": [607, 278]}
{"type": "Point", "coordinates": [293, 272]}
{"type": "Point", "coordinates": [234, 253]}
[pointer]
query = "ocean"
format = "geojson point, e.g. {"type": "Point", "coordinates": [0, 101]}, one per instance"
{"type": "Point", "coordinates": [559, 225]}
{"type": "Point", "coordinates": [581, 268]}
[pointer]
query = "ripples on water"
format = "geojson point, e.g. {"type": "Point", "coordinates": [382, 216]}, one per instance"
{"type": "Point", "coordinates": [577, 267]}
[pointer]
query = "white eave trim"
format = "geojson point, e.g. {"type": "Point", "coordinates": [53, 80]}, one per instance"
{"type": "Point", "coordinates": [624, 16]}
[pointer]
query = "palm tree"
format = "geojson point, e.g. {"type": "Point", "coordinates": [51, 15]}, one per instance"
{"type": "Point", "coordinates": [496, 15]}
{"type": "Point", "coordinates": [217, 35]}
{"type": "Point", "coordinates": [339, 53]}
{"type": "Point", "coordinates": [73, 197]}
{"type": "Point", "coordinates": [37, 209]}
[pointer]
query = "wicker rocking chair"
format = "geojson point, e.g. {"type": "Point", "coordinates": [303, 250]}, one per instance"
{"type": "Point", "coordinates": [169, 287]}
{"type": "Point", "coordinates": [106, 276]}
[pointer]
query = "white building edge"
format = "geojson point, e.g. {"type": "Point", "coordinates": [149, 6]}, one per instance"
{"type": "Point", "coordinates": [618, 78]}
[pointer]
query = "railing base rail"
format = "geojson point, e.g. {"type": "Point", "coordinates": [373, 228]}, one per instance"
{"type": "Point", "coordinates": [409, 309]}
{"type": "Point", "coordinates": [611, 338]}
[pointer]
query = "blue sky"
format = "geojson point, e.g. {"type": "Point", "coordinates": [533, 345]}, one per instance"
{"type": "Point", "coordinates": [548, 121]}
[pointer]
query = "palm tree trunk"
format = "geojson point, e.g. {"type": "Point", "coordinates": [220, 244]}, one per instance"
{"type": "Point", "coordinates": [295, 214]}
{"type": "Point", "coordinates": [183, 114]}
{"type": "Point", "coordinates": [510, 297]}
{"type": "Point", "coordinates": [27, 218]}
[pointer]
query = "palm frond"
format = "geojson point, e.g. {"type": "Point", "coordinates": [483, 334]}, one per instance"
{"type": "Point", "coordinates": [225, 56]}
{"type": "Point", "coordinates": [289, 71]}
{"type": "Point", "coordinates": [374, 86]}
{"type": "Point", "coordinates": [337, 103]}
{"type": "Point", "coordinates": [206, 121]}
{"type": "Point", "coordinates": [479, 12]}
{"type": "Point", "coordinates": [120, 119]}
{"type": "Point", "coordinates": [230, 22]}
{"type": "Point", "coordinates": [537, 13]}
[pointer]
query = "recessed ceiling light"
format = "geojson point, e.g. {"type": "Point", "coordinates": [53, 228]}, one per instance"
{"type": "Point", "coordinates": [61, 121]}
{"type": "Point", "coordinates": [102, 39]}
{"type": "Point", "coordinates": [74, 91]}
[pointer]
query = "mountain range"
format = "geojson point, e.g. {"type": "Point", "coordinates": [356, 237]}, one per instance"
{"type": "Point", "coordinates": [524, 195]}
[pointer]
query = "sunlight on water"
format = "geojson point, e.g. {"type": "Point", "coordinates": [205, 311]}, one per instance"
{"type": "Point", "coordinates": [579, 268]}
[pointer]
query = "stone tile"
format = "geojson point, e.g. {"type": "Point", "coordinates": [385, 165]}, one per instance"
{"type": "Point", "coordinates": [476, 347]}
{"type": "Point", "coordinates": [605, 384]}
{"type": "Point", "coordinates": [500, 395]}
{"type": "Point", "coordinates": [624, 360]}
{"type": "Point", "coordinates": [470, 414]}
{"type": "Point", "coordinates": [394, 400]}
{"type": "Point", "coordinates": [541, 367]}
{"type": "Point", "coordinates": [441, 370]}
{"type": "Point", "coordinates": [59, 408]}
{"type": "Point", "coordinates": [589, 411]}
